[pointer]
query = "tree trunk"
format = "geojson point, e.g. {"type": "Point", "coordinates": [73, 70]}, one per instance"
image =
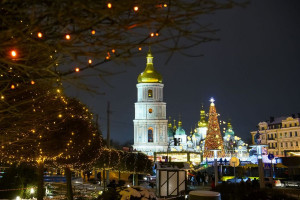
{"type": "Point", "coordinates": [40, 186]}
{"type": "Point", "coordinates": [69, 183]}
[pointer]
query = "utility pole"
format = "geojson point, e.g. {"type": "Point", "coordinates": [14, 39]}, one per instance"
{"type": "Point", "coordinates": [108, 125]}
{"type": "Point", "coordinates": [108, 112]}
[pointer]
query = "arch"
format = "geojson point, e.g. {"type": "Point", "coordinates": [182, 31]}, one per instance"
{"type": "Point", "coordinates": [150, 93]}
{"type": "Point", "coordinates": [150, 134]}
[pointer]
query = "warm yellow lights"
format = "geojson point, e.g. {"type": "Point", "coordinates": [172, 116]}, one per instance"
{"type": "Point", "coordinates": [60, 116]}
{"type": "Point", "coordinates": [2, 97]}
{"type": "Point", "coordinates": [12, 87]}
{"type": "Point", "coordinates": [73, 133]}
{"type": "Point", "coordinates": [77, 69]}
{"type": "Point", "coordinates": [68, 37]}
{"type": "Point", "coordinates": [90, 61]}
{"type": "Point", "coordinates": [109, 5]}
{"type": "Point", "coordinates": [152, 34]}
{"type": "Point", "coordinates": [13, 53]}
{"type": "Point", "coordinates": [140, 48]}
{"type": "Point", "coordinates": [165, 5]}
{"type": "Point", "coordinates": [58, 91]}
{"type": "Point", "coordinates": [107, 57]}
{"type": "Point", "coordinates": [135, 8]}
{"type": "Point", "coordinates": [113, 51]}
{"type": "Point", "coordinates": [93, 32]}
{"type": "Point", "coordinates": [40, 35]}
{"type": "Point", "coordinates": [156, 34]}
{"type": "Point", "coordinates": [32, 82]}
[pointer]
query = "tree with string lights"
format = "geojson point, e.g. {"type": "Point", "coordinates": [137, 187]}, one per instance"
{"type": "Point", "coordinates": [60, 39]}
{"type": "Point", "coordinates": [213, 139]}
{"type": "Point", "coordinates": [52, 130]}
{"type": "Point", "coordinates": [117, 160]}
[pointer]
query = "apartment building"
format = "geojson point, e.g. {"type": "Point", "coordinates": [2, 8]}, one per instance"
{"type": "Point", "coordinates": [281, 134]}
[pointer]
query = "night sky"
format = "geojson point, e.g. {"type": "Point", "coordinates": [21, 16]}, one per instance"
{"type": "Point", "coordinates": [252, 72]}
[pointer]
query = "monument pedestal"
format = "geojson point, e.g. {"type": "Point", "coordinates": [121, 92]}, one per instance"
{"type": "Point", "coordinates": [260, 164]}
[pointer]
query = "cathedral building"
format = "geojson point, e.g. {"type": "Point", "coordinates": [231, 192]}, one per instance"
{"type": "Point", "coordinates": [154, 134]}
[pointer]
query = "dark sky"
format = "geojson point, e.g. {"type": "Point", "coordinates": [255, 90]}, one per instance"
{"type": "Point", "coordinates": [252, 72]}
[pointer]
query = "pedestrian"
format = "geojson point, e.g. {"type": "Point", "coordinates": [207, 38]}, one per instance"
{"type": "Point", "coordinates": [206, 179]}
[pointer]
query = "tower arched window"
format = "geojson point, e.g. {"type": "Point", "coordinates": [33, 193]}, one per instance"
{"type": "Point", "coordinates": [150, 93]}
{"type": "Point", "coordinates": [150, 134]}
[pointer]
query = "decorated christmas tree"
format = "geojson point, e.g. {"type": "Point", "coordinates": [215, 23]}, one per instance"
{"type": "Point", "coordinates": [213, 138]}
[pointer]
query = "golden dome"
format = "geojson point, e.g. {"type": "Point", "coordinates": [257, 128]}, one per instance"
{"type": "Point", "coordinates": [149, 75]}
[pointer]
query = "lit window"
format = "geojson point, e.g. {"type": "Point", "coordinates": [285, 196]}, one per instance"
{"type": "Point", "coordinates": [150, 93]}
{"type": "Point", "coordinates": [150, 110]}
{"type": "Point", "coordinates": [150, 135]}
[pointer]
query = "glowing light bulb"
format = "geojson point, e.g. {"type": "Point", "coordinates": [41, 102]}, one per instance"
{"type": "Point", "coordinates": [113, 50]}
{"type": "Point", "coordinates": [90, 61]}
{"type": "Point", "coordinates": [60, 116]}
{"type": "Point", "coordinates": [109, 5]}
{"type": "Point", "coordinates": [165, 5]}
{"type": "Point", "coordinates": [107, 57]}
{"type": "Point", "coordinates": [152, 34]}
{"type": "Point", "coordinates": [32, 82]}
{"type": "Point", "coordinates": [40, 35]}
{"type": "Point", "coordinates": [156, 34]}
{"type": "Point", "coordinates": [13, 53]}
{"type": "Point", "coordinates": [12, 86]}
{"type": "Point", "coordinates": [93, 32]}
{"type": "Point", "coordinates": [77, 69]}
{"type": "Point", "coordinates": [68, 37]}
{"type": "Point", "coordinates": [135, 8]}
{"type": "Point", "coordinates": [140, 48]}
{"type": "Point", "coordinates": [2, 97]}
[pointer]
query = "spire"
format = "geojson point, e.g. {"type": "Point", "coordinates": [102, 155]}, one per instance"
{"type": "Point", "coordinates": [229, 126]}
{"type": "Point", "coordinates": [149, 57]}
{"type": "Point", "coordinates": [179, 121]}
{"type": "Point", "coordinates": [149, 75]}
{"type": "Point", "coordinates": [174, 125]}
{"type": "Point", "coordinates": [202, 122]}
{"type": "Point", "coordinates": [170, 122]}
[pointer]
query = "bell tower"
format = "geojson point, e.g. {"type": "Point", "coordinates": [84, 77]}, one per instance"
{"type": "Point", "coordinates": [150, 123]}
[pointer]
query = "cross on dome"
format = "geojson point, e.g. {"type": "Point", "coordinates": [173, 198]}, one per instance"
{"type": "Point", "coordinates": [212, 100]}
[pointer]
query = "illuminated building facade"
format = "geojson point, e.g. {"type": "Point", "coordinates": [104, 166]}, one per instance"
{"type": "Point", "coordinates": [150, 123]}
{"type": "Point", "coordinates": [281, 134]}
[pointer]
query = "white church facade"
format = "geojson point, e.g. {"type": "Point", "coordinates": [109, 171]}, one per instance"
{"type": "Point", "coordinates": [150, 123]}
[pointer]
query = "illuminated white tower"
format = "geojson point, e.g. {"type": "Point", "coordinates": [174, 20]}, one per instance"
{"type": "Point", "coordinates": [150, 123]}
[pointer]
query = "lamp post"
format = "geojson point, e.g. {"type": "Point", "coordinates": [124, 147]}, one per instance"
{"type": "Point", "coordinates": [216, 165]}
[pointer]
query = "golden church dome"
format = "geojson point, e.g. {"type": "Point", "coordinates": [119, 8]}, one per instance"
{"type": "Point", "coordinates": [149, 75]}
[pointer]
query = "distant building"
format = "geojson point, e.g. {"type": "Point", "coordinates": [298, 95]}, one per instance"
{"type": "Point", "coordinates": [281, 134]}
